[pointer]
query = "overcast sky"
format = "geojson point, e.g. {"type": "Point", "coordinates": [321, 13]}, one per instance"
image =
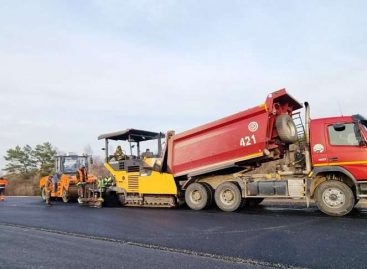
{"type": "Point", "coordinates": [71, 70]}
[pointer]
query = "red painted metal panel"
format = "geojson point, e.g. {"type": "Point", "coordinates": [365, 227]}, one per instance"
{"type": "Point", "coordinates": [352, 158]}
{"type": "Point", "coordinates": [228, 140]}
{"type": "Point", "coordinates": [220, 144]}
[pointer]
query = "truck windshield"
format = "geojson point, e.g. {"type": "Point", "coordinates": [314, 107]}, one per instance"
{"type": "Point", "coordinates": [122, 150]}
{"type": "Point", "coordinates": [72, 164]}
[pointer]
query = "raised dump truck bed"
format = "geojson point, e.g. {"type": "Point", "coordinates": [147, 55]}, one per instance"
{"type": "Point", "coordinates": [224, 143]}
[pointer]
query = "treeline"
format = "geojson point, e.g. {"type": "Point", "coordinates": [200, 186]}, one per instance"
{"type": "Point", "coordinates": [27, 161]}
{"type": "Point", "coordinates": [26, 165]}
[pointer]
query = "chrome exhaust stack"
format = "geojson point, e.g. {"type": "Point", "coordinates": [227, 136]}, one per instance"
{"type": "Point", "coordinates": [307, 137]}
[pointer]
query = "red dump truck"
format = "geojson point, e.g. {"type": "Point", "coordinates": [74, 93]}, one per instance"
{"type": "Point", "coordinates": [262, 152]}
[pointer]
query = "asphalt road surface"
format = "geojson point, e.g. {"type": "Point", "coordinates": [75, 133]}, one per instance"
{"type": "Point", "coordinates": [281, 235]}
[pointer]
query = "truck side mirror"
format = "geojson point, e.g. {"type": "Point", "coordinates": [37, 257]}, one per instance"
{"type": "Point", "coordinates": [339, 127]}
{"type": "Point", "coordinates": [91, 160]}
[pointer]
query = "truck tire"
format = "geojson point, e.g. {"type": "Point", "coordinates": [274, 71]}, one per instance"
{"type": "Point", "coordinates": [334, 198]}
{"type": "Point", "coordinates": [286, 128]}
{"type": "Point", "coordinates": [210, 192]}
{"type": "Point", "coordinates": [197, 196]}
{"type": "Point", "coordinates": [228, 196]}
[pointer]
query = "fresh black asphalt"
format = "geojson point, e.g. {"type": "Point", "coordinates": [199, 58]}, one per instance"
{"type": "Point", "coordinates": [278, 236]}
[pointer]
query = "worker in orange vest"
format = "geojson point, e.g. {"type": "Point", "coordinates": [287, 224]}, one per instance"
{"type": "Point", "coordinates": [3, 184]}
{"type": "Point", "coordinates": [82, 174]}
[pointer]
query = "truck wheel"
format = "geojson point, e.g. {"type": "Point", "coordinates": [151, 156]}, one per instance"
{"type": "Point", "coordinates": [210, 192]}
{"type": "Point", "coordinates": [228, 196]}
{"type": "Point", "coordinates": [196, 196]}
{"type": "Point", "coordinates": [334, 198]}
{"type": "Point", "coordinates": [286, 128]}
{"type": "Point", "coordinates": [65, 196]}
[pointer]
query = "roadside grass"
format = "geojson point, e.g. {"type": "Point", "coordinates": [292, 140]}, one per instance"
{"type": "Point", "coordinates": [22, 185]}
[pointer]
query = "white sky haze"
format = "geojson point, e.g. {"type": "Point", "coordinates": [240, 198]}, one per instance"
{"type": "Point", "coordinates": [71, 70]}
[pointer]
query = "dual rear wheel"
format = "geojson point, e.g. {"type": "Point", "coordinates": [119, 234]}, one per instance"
{"type": "Point", "coordinates": [227, 196]}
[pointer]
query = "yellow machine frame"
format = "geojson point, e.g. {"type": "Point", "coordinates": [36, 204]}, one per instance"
{"type": "Point", "coordinates": [134, 182]}
{"type": "Point", "coordinates": [138, 179]}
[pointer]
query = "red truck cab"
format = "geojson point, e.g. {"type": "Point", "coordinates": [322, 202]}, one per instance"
{"type": "Point", "coordinates": [340, 141]}
{"type": "Point", "coordinates": [339, 145]}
